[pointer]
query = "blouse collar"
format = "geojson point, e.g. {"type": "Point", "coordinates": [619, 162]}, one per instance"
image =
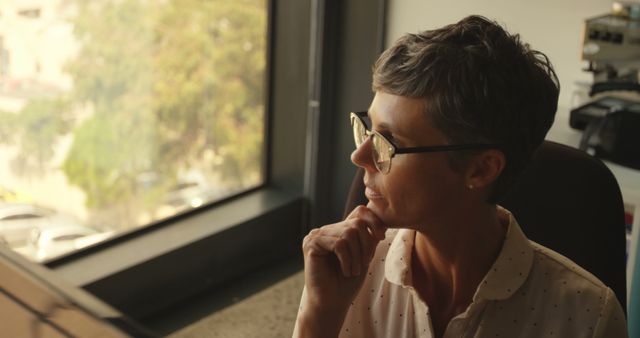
{"type": "Point", "coordinates": [507, 274]}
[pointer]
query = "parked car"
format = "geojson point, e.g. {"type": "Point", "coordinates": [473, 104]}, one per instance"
{"type": "Point", "coordinates": [191, 190]}
{"type": "Point", "coordinates": [191, 194]}
{"type": "Point", "coordinates": [17, 220]}
{"type": "Point", "coordinates": [51, 242]}
{"type": "Point", "coordinates": [8, 195]}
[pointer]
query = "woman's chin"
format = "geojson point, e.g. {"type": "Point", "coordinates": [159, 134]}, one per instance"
{"type": "Point", "coordinates": [380, 208]}
{"type": "Point", "coordinates": [376, 205]}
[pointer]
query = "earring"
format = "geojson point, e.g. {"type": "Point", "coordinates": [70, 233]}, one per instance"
{"type": "Point", "coordinates": [470, 186]}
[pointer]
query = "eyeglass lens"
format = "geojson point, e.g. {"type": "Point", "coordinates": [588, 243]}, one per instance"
{"type": "Point", "coordinates": [381, 150]}
{"type": "Point", "coordinates": [359, 131]}
{"type": "Point", "coordinates": [381, 154]}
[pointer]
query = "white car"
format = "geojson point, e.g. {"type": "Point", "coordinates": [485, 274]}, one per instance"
{"type": "Point", "coordinates": [187, 195]}
{"type": "Point", "coordinates": [18, 220]}
{"type": "Point", "coordinates": [52, 242]}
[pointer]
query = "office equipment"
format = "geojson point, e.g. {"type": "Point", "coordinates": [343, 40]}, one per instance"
{"type": "Point", "coordinates": [611, 118]}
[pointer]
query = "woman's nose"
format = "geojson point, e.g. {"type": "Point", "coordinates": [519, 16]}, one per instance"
{"type": "Point", "coordinates": [362, 155]}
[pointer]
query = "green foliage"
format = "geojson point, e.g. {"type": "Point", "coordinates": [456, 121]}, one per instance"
{"type": "Point", "coordinates": [8, 126]}
{"type": "Point", "coordinates": [107, 156]}
{"type": "Point", "coordinates": [35, 129]}
{"type": "Point", "coordinates": [113, 77]}
{"type": "Point", "coordinates": [168, 85]}
{"type": "Point", "coordinates": [213, 92]}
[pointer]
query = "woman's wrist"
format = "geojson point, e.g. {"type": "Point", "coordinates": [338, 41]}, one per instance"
{"type": "Point", "coordinates": [314, 321]}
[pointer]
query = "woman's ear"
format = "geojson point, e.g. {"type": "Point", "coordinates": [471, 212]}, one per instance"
{"type": "Point", "coordinates": [485, 168]}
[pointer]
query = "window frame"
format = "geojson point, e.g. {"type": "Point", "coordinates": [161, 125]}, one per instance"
{"type": "Point", "coordinates": [198, 244]}
{"type": "Point", "coordinates": [150, 269]}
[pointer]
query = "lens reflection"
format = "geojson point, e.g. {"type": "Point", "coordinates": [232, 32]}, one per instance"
{"type": "Point", "coordinates": [382, 153]}
{"type": "Point", "coordinates": [359, 131]}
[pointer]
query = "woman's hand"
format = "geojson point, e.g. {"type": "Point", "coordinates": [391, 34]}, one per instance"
{"type": "Point", "coordinates": [336, 259]}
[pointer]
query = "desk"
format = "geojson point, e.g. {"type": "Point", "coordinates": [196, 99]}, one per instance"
{"type": "Point", "coordinates": [628, 179]}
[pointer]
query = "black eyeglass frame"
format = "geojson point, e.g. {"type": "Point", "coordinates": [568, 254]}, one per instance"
{"type": "Point", "coordinates": [411, 150]}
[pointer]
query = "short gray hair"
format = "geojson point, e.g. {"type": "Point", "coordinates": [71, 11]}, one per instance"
{"type": "Point", "coordinates": [480, 84]}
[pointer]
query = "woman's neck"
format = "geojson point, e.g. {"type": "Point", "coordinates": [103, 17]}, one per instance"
{"type": "Point", "coordinates": [449, 261]}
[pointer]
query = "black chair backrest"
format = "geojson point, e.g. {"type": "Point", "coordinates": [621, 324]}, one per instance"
{"type": "Point", "coordinates": [569, 202]}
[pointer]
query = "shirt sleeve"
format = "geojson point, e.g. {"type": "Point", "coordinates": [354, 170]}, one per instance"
{"type": "Point", "coordinates": [612, 323]}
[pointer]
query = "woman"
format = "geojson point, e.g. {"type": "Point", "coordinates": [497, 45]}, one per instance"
{"type": "Point", "coordinates": [457, 113]}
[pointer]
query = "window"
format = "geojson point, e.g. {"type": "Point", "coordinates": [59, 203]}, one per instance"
{"type": "Point", "coordinates": [117, 114]}
{"type": "Point", "coordinates": [153, 268]}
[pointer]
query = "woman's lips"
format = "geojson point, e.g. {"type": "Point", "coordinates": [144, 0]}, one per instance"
{"type": "Point", "coordinates": [372, 194]}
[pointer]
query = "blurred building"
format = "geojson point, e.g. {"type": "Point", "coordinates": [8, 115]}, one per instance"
{"type": "Point", "coordinates": [36, 39]}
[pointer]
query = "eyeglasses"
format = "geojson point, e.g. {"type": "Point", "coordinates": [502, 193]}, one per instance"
{"type": "Point", "coordinates": [384, 150]}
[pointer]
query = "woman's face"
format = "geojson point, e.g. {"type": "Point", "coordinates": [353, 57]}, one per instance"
{"type": "Point", "coordinates": [421, 189]}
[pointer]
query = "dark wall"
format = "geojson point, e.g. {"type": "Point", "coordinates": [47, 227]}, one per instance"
{"type": "Point", "coordinates": [289, 56]}
{"type": "Point", "coordinates": [352, 39]}
{"type": "Point", "coordinates": [362, 40]}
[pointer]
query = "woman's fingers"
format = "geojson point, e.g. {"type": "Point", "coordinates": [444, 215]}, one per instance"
{"type": "Point", "coordinates": [375, 225]}
{"type": "Point", "coordinates": [352, 244]}
{"type": "Point", "coordinates": [353, 240]}
{"type": "Point", "coordinates": [368, 245]}
{"type": "Point", "coordinates": [355, 230]}
{"type": "Point", "coordinates": [320, 244]}
{"type": "Point", "coordinates": [352, 236]}
{"type": "Point", "coordinates": [345, 257]}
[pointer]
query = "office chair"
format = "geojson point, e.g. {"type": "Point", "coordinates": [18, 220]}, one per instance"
{"type": "Point", "coordinates": [568, 201]}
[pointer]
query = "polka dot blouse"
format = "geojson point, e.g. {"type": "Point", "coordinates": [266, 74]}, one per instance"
{"type": "Point", "coordinates": [530, 291]}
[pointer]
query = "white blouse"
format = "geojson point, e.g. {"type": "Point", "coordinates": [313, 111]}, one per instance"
{"type": "Point", "coordinates": [530, 291]}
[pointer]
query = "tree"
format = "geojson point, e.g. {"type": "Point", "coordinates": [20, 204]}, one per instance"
{"type": "Point", "coordinates": [35, 129]}
{"type": "Point", "coordinates": [164, 86]}
{"type": "Point", "coordinates": [212, 83]}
